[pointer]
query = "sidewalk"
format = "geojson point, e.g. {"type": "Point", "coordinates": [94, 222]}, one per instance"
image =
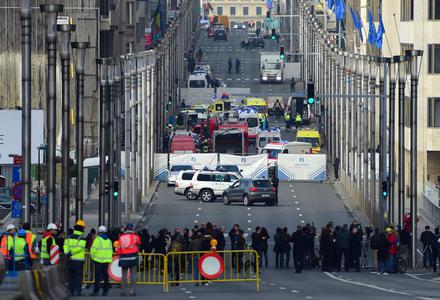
{"type": "Point", "coordinates": [91, 207]}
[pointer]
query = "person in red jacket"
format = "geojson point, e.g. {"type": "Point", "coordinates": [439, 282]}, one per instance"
{"type": "Point", "coordinates": [392, 250]}
{"type": "Point", "coordinates": [128, 249]}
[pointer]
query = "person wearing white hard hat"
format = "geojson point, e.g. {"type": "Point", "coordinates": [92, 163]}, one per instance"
{"type": "Point", "coordinates": [101, 254]}
{"type": "Point", "coordinates": [6, 242]}
{"type": "Point", "coordinates": [47, 242]}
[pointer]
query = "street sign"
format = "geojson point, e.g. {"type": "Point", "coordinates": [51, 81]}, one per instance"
{"type": "Point", "coordinates": [16, 174]}
{"type": "Point", "coordinates": [17, 191]}
{"type": "Point", "coordinates": [16, 209]}
{"type": "Point", "coordinates": [114, 270]}
{"type": "Point", "coordinates": [63, 20]}
{"type": "Point", "coordinates": [18, 159]}
{"type": "Point", "coordinates": [211, 265]}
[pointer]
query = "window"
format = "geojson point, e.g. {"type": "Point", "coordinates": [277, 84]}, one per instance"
{"type": "Point", "coordinates": [220, 178]}
{"type": "Point", "coordinates": [204, 177]}
{"type": "Point", "coordinates": [245, 11]}
{"type": "Point", "coordinates": [406, 10]}
{"type": "Point", "coordinates": [434, 59]}
{"type": "Point", "coordinates": [262, 183]}
{"type": "Point", "coordinates": [259, 11]}
{"type": "Point", "coordinates": [219, 10]}
{"type": "Point", "coordinates": [434, 9]}
{"type": "Point", "coordinates": [232, 11]}
{"type": "Point", "coordinates": [433, 112]}
{"type": "Point", "coordinates": [187, 176]}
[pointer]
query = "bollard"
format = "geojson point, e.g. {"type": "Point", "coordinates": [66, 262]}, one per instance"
{"type": "Point", "coordinates": [29, 286]}
{"type": "Point", "coordinates": [47, 290]}
{"type": "Point", "coordinates": [55, 280]}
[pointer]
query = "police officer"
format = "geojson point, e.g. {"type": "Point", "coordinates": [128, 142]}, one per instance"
{"type": "Point", "coordinates": [75, 251]}
{"type": "Point", "coordinates": [47, 242]}
{"type": "Point", "coordinates": [287, 119]}
{"type": "Point", "coordinates": [18, 250]}
{"type": "Point", "coordinates": [128, 249]}
{"type": "Point", "coordinates": [101, 254]}
{"type": "Point", "coordinates": [298, 120]}
{"type": "Point", "coordinates": [31, 244]}
{"type": "Point", "coordinates": [6, 244]}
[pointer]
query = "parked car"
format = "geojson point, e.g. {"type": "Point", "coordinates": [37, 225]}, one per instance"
{"type": "Point", "coordinates": [220, 35]}
{"type": "Point", "coordinates": [174, 171]}
{"type": "Point", "coordinates": [208, 185]}
{"type": "Point", "coordinates": [249, 191]}
{"type": "Point", "coordinates": [183, 184]}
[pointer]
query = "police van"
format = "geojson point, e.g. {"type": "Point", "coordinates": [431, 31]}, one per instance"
{"type": "Point", "coordinates": [265, 137]}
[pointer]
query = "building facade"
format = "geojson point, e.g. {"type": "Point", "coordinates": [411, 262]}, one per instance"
{"type": "Point", "coordinates": [237, 10]}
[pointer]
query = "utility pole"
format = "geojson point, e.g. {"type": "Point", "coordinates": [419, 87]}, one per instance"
{"type": "Point", "coordinates": [102, 142]}
{"type": "Point", "coordinates": [127, 140]}
{"type": "Point", "coordinates": [392, 63]}
{"type": "Point", "coordinates": [50, 12]}
{"type": "Point", "coordinates": [79, 125]}
{"type": "Point", "coordinates": [111, 141]}
{"type": "Point", "coordinates": [365, 124]}
{"type": "Point", "coordinates": [65, 35]}
{"type": "Point", "coordinates": [26, 105]}
{"type": "Point", "coordinates": [133, 104]}
{"type": "Point", "coordinates": [118, 138]}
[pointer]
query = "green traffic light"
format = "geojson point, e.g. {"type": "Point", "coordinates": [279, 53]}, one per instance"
{"type": "Point", "coordinates": [385, 194]}
{"type": "Point", "coordinates": [311, 100]}
{"type": "Point", "coordinates": [115, 194]}
{"type": "Point", "coordinates": [282, 56]}
{"type": "Point", "coordinates": [273, 37]}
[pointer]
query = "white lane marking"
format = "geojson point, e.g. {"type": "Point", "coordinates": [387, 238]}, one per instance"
{"type": "Point", "coordinates": [302, 221]}
{"type": "Point", "coordinates": [300, 215]}
{"type": "Point", "coordinates": [197, 215]}
{"type": "Point", "coordinates": [183, 289]}
{"type": "Point", "coordinates": [366, 285]}
{"type": "Point", "coordinates": [188, 292]}
{"type": "Point", "coordinates": [293, 191]}
{"type": "Point", "coordinates": [290, 185]}
{"type": "Point", "coordinates": [271, 283]}
{"type": "Point", "coordinates": [296, 202]}
{"type": "Point", "coordinates": [192, 297]}
{"type": "Point", "coordinates": [295, 291]}
{"type": "Point", "coordinates": [249, 208]}
{"type": "Point", "coordinates": [199, 208]}
{"type": "Point", "coordinates": [249, 221]}
{"type": "Point", "coordinates": [422, 279]}
{"type": "Point", "coordinates": [298, 208]}
{"type": "Point", "coordinates": [308, 297]}
{"type": "Point", "coordinates": [249, 215]}
{"type": "Point", "coordinates": [264, 282]}
{"type": "Point", "coordinates": [294, 196]}
{"type": "Point", "coordinates": [426, 298]}
{"type": "Point", "coordinates": [282, 288]}
{"type": "Point", "coordinates": [249, 229]}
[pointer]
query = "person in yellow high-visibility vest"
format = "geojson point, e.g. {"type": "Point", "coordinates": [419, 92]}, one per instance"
{"type": "Point", "coordinates": [287, 119]}
{"type": "Point", "coordinates": [31, 244]}
{"type": "Point", "coordinates": [101, 254]}
{"type": "Point", "coordinates": [47, 242]}
{"type": "Point", "coordinates": [75, 251]}
{"type": "Point", "coordinates": [6, 242]}
{"type": "Point", "coordinates": [298, 121]}
{"type": "Point", "coordinates": [18, 250]}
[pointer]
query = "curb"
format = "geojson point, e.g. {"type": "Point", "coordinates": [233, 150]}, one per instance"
{"type": "Point", "coordinates": [146, 208]}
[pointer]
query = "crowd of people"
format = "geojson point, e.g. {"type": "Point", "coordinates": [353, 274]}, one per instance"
{"type": "Point", "coordinates": [333, 248]}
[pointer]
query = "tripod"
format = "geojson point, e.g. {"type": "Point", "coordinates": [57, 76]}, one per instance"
{"type": "Point", "coordinates": [365, 263]}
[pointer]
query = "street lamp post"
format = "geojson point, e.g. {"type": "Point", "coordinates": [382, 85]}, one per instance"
{"type": "Point", "coordinates": [366, 70]}
{"type": "Point", "coordinates": [118, 137]}
{"type": "Point", "coordinates": [65, 35]}
{"type": "Point", "coordinates": [102, 141]}
{"type": "Point", "coordinates": [414, 58]}
{"type": "Point", "coordinates": [79, 125]}
{"type": "Point", "coordinates": [127, 143]}
{"type": "Point", "coordinates": [26, 110]}
{"type": "Point", "coordinates": [111, 141]}
{"type": "Point", "coordinates": [50, 16]}
{"type": "Point", "coordinates": [392, 63]}
{"type": "Point", "coordinates": [41, 147]}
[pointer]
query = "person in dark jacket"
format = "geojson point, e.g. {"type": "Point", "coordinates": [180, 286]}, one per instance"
{"type": "Point", "coordinates": [240, 244]}
{"type": "Point", "coordinates": [382, 252]}
{"type": "Point", "coordinates": [343, 244]}
{"type": "Point", "coordinates": [427, 238]}
{"type": "Point", "coordinates": [275, 183]}
{"type": "Point", "coordinates": [299, 240]}
{"type": "Point", "coordinates": [219, 236]}
{"type": "Point", "coordinates": [374, 247]}
{"type": "Point", "coordinates": [264, 235]}
{"type": "Point", "coordinates": [405, 242]}
{"type": "Point", "coordinates": [279, 260]}
{"type": "Point", "coordinates": [356, 247]}
{"type": "Point", "coordinates": [256, 244]}
{"type": "Point", "coordinates": [325, 249]}
{"type": "Point", "coordinates": [285, 247]}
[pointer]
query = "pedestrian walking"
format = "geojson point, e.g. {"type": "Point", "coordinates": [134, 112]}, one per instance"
{"type": "Point", "coordinates": [285, 246]}
{"type": "Point", "coordinates": [279, 260]}
{"type": "Point", "coordinates": [264, 235]}
{"type": "Point", "coordinates": [427, 238]}
{"type": "Point", "coordinates": [75, 251]}
{"type": "Point", "coordinates": [383, 247]}
{"type": "Point", "coordinates": [325, 249]}
{"type": "Point", "coordinates": [392, 250]}
{"type": "Point", "coordinates": [101, 253]}
{"type": "Point", "coordinates": [256, 244]}
{"type": "Point", "coordinates": [277, 108]}
{"type": "Point", "coordinates": [128, 248]}
{"type": "Point", "coordinates": [356, 247]}
{"type": "Point", "coordinates": [343, 244]}
{"type": "Point", "coordinates": [336, 168]}
{"type": "Point", "coordinates": [287, 119]}
{"type": "Point", "coordinates": [237, 65]}
{"type": "Point", "coordinates": [374, 246]}
{"type": "Point", "coordinates": [292, 85]}
{"type": "Point", "coordinates": [275, 184]}
{"type": "Point", "coordinates": [229, 66]}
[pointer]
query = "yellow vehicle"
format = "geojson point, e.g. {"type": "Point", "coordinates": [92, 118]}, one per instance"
{"type": "Point", "coordinates": [311, 136]}
{"type": "Point", "coordinates": [259, 104]}
{"type": "Point", "coordinates": [218, 106]}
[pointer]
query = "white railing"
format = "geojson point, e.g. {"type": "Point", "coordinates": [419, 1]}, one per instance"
{"type": "Point", "coordinates": [432, 194]}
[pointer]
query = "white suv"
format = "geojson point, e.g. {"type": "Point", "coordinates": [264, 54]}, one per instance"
{"type": "Point", "coordinates": [183, 183]}
{"type": "Point", "coordinates": [208, 185]}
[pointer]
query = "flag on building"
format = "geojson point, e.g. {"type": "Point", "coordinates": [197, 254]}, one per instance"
{"type": "Point", "coordinates": [372, 34]}
{"type": "Point", "coordinates": [380, 32]}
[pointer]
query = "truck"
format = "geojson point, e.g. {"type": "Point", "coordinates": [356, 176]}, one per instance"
{"type": "Point", "coordinates": [229, 140]}
{"type": "Point", "coordinates": [182, 144]}
{"type": "Point", "coordinates": [243, 145]}
{"type": "Point", "coordinates": [271, 67]}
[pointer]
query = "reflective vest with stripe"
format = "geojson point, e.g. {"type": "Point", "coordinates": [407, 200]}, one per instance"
{"type": "Point", "coordinates": [101, 250]}
{"type": "Point", "coordinates": [5, 245]}
{"type": "Point", "coordinates": [30, 240]}
{"type": "Point", "coordinates": [19, 247]}
{"type": "Point", "coordinates": [128, 243]}
{"type": "Point", "coordinates": [45, 253]}
{"type": "Point", "coordinates": [75, 246]}
{"type": "Point", "coordinates": [298, 118]}
{"type": "Point", "coordinates": [287, 116]}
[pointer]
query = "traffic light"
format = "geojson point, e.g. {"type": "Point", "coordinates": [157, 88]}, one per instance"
{"type": "Point", "coordinates": [106, 187]}
{"type": "Point", "coordinates": [274, 34]}
{"type": "Point", "coordinates": [282, 54]}
{"type": "Point", "coordinates": [268, 16]}
{"type": "Point", "coordinates": [310, 93]}
{"type": "Point", "coordinates": [384, 189]}
{"type": "Point", "coordinates": [115, 189]}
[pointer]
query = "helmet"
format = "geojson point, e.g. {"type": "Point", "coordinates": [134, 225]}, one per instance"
{"type": "Point", "coordinates": [9, 227]}
{"type": "Point", "coordinates": [388, 230]}
{"type": "Point", "coordinates": [52, 226]}
{"type": "Point", "coordinates": [21, 232]}
{"type": "Point", "coordinates": [102, 229]}
{"type": "Point", "coordinates": [129, 226]}
{"type": "Point", "coordinates": [81, 223]}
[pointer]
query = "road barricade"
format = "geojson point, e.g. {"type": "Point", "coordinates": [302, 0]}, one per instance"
{"type": "Point", "coordinates": [220, 266]}
{"type": "Point", "coordinates": [151, 270]}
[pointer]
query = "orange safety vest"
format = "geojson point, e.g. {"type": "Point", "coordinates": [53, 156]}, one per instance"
{"type": "Point", "coordinates": [4, 246]}
{"type": "Point", "coordinates": [128, 243]}
{"type": "Point", "coordinates": [29, 243]}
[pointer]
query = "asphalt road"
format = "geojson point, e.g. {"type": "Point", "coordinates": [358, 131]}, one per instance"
{"type": "Point", "coordinates": [219, 52]}
{"type": "Point", "coordinates": [299, 202]}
